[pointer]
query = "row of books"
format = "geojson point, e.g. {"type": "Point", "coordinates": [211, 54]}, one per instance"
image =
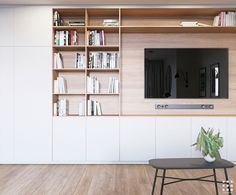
{"type": "Point", "coordinates": [61, 108]}
{"type": "Point", "coordinates": [80, 60]}
{"type": "Point", "coordinates": [58, 60]}
{"type": "Point", "coordinates": [96, 37]}
{"type": "Point", "coordinates": [225, 19]}
{"type": "Point", "coordinates": [93, 85]}
{"type": "Point", "coordinates": [113, 86]}
{"type": "Point", "coordinates": [110, 22]}
{"type": "Point", "coordinates": [94, 108]}
{"type": "Point", "coordinates": [65, 38]}
{"type": "Point", "coordinates": [57, 20]}
{"type": "Point", "coordinates": [103, 60]}
{"type": "Point", "coordinates": [60, 85]}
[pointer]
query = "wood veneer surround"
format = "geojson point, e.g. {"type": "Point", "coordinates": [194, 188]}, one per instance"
{"type": "Point", "coordinates": [132, 51]}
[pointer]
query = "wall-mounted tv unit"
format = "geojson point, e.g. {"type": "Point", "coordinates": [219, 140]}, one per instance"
{"type": "Point", "coordinates": [186, 73]}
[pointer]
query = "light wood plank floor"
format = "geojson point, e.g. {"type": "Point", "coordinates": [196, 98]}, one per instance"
{"type": "Point", "coordinates": [98, 180]}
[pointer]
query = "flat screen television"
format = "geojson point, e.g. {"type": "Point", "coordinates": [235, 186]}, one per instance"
{"type": "Point", "coordinates": [186, 73]}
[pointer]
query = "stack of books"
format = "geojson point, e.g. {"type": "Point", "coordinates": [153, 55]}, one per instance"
{"type": "Point", "coordinates": [61, 108]}
{"type": "Point", "coordinates": [103, 60]}
{"type": "Point", "coordinates": [58, 61]}
{"type": "Point", "coordinates": [225, 19]}
{"type": "Point", "coordinates": [60, 85]}
{"type": "Point", "coordinates": [110, 22]}
{"type": "Point", "coordinates": [66, 37]}
{"type": "Point", "coordinates": [96, 37]}
{"type": "Point", "coordinates": [93, 85]}
{"type": "Point", "coordinates": [80, 60]}
{"type": "Point", "coordinates": [57, 21]}
{"type": "Point", "coordinates": [94, 108]}
{"type": "Point", "coordinates": [76, 23]}
{"type": "Point", "coordinates": [82, 108]}
{"type": "Point", "coordinates": [113, 86]}
{"type": "Point", "coordinates": [192, 24]}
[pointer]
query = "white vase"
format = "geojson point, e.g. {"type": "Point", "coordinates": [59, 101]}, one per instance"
{"type": "Point", "coordinates": [209, 159]}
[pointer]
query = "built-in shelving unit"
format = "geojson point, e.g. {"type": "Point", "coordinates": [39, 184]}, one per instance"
{"type": "Point", "coordinates": [130, 21]}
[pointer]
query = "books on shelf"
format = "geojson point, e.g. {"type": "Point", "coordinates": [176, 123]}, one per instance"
{"type": "Point", "coordinates": [65, 38]}
{"type": "Point", "coordinates": [94, 108]}
{"type": "Point", "coordinates": [58, 61]}
{"type": "Point", "coordinates": [93, 85]}
{"type": "Point", "coordinates": [82, 108]}
{"type": "Point", "coordinates": [103, 60]}
{"type": "Point", "coordinates": [110, 22]}
{"type": "Point", "coordinates": [80, 60]}
{"type": "Point", "coordinates": [61, 108]}
{"type": "Point", "coordinates": [225, 19]}
{"type": "Point", "coordinates": [60, 85]}
{"type": "Point", "coordinates": [113, 86]}
{"type": "Point", "coordinates": [57, 21]}
{"type": "Point", "coordinates": [96, 37]}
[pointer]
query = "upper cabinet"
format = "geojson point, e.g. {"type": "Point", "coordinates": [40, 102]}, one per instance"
{"type": "Point", "coordinates": [32, 26]}
{"type": "Point", "coordinates": [7, 26]}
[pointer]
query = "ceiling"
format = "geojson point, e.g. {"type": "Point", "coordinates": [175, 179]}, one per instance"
{"type": "Point", "coordinates": [120, 2]}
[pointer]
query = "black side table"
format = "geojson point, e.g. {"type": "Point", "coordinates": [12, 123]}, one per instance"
{"type": "Point", "coordinates": [189, 163]}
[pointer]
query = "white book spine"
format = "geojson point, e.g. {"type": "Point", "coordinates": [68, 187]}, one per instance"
{"type": "Point", "coordinates": [55, 109]}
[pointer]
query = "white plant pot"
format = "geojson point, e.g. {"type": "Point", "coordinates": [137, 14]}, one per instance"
{"type": "Point", "coordinates": [209, 159]}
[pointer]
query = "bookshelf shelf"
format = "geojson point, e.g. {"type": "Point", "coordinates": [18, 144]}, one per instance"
{"type": "Point", "coordinates": [103, 69]}
{"type": "Point", "coordinates": [69, 70]}
{"type": "Point", "coordinates": [103, 47]}
{"type": "Point", "coordinates": [80, 29]}
{"type": "Point", "coordinates": [69, 48]}
{"type": "Point", "coordinates": [108, 94]}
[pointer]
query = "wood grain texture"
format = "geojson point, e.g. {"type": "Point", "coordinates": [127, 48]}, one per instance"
{"type": "Point", "coordinates": [99, 180]}
{"type": "Point", "coordinates": [132, 51]}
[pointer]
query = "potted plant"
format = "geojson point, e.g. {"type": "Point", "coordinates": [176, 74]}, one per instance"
{"type": "Point", "coordinates": [209, 144]}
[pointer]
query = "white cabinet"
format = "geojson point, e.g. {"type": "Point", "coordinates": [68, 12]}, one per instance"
{"type": "Point", "coordinates": [137, 138]}
{"type": "Point", "coordinates": [217, 123]}
{"type": "Point", "coordinates": [231, 139]}
{"type": "Point", "coordinates": [69, 138]}
{"type": "Point", "coordinates": [6, 30]}
{"type": "Point", "coordinates": [102, 139]}
{"type": "Point", "coordinates": [32, 100]}
{"type": "Point", "coordinates": [173, 137]}
{"type": "Point", "coordinates": [32, 26]}
{"type": "Point", "coordinates": [6, 105]}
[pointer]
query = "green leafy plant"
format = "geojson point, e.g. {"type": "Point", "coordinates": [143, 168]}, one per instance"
{"type": "Point", "coordinates": [209, 143]}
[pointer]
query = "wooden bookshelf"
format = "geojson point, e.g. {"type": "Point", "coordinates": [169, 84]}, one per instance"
{"type": "Point", "coordinates": [136, 28]}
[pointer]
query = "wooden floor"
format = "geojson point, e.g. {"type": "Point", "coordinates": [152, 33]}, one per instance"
{"type": "Point", "coordinates": [98, 180]}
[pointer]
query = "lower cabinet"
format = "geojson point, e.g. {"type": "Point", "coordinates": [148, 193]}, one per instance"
{"type": "Point", "coordinates": [102, 139]}
{"type": "Point", "coordinates": [231, 139]}
{"type": "Point", "coordinates": [173, 137]}
{"type": "Point", "coordinates": [137, 138]}
{"type": "Point", "coordinates": [69, 139]}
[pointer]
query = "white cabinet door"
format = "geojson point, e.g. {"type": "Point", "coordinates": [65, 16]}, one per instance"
{"type": "Point", "coordinates": [217, 123]}
{"type": "Point", "coordinates": [103, 139]}
{"type": "Point", "coordinates": [6, 30]}
{"type": "Point", "coordinates": [6, 105]}
{"type": "Point", "coordinates": [137, 138]}
{"type": "Point", "coordinates": [69, 139]}
{"type": "Point", "coordinates": [32, 98]}
{"type": "Point", "coordinates": [231, 139]}
{"type": "Point", "coordinates": [33, 26]}
{"type": "Point", "coordinates": [173, 137]}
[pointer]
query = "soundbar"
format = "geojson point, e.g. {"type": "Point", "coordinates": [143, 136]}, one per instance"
{"type": "Point", "coordinates": [184, 106]}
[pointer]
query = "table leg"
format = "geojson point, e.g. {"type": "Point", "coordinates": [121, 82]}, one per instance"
{"type": "Point", "coordinates": [227, 180]}
{"type": "Point", "coordinates": [154, 182]}
{"type": "Point", "coordinates": [163, 181]}
{"type": "Point", "coordinates": [214, 171]}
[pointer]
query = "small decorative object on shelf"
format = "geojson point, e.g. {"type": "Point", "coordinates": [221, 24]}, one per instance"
{"type": "Point", "coordinates": [209, 144]}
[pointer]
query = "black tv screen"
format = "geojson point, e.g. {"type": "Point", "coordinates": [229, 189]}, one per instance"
{"type": "Point", "coordinates": [186, 73]}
